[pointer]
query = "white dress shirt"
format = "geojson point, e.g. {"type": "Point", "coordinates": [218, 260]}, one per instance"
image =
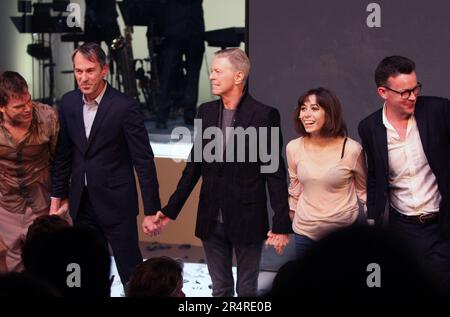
{"type": "Point", "coordinates": [89, 111]}
{"type": "Point", "coordinates": [413, 186]}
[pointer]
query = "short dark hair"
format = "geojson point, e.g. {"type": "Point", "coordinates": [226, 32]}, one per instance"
{"type": "Point", "coordinates": [156, 277]}
{"type": "Point", "coordinates": [334, 123]}
{"type": "Point", "coordinates": [12, 84]}
{"type": "Point", "coordinates": [46, 224]}
{"type": "Point", "coordinates": [93, 52]}
{"type": "Point", "coordinates": [392, 66]}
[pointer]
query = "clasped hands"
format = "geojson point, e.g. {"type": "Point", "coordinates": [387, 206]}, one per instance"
{"type": "Point", "coordinates": [152, 225]}
{"type": "Point", "coordinates": [278, 240]}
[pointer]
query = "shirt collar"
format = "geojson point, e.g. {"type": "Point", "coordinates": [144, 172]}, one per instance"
{"type": "Point", "coordinates": [98, 99]}
{"type": "Point", "coordinates": [386, 123]}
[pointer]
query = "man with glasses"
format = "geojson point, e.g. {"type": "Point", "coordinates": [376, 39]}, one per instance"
{"type": "Point", "coordinates": [406, 143]}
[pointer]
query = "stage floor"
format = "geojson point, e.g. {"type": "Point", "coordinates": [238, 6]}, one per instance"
{"type": "Point", "coordinates": [197, 282]}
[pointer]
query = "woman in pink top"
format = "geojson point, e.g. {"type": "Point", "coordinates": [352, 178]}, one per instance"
{"type": "Point", "coordinates": [327, 170]}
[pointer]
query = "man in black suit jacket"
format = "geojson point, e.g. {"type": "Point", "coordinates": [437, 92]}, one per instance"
{"type": "Point", "coordinates": [232, 211]}
{"type": "Point", "coordinates": [406, 143]}
{"type": "Point", "coordinates": [102, 139]}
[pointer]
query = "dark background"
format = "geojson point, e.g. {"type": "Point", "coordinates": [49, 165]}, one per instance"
{"type": "Point", "coordinates": [295, 45]}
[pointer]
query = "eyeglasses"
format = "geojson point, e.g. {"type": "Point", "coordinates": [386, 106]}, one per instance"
{"type": "Point", "coordinates": [407, 93]}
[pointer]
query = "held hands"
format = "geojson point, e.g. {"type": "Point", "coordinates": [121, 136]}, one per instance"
{"type": "Point", "coordinates": [153, 225]}
{"type": "Point", "coordinates": [278, 240]}
{"type": "Point", "coordinates": [59, 207]}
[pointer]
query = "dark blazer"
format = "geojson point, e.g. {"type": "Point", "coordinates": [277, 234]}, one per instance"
{"type": "Point", "coordinates": [238, 188]}
{"type": "Point", "coordinates": [118, 141]}
{"type": "Point", "coordinates": [432, 115]}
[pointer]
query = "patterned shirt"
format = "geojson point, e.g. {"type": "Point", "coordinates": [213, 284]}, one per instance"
{"type": "Point", "coordinates": [25, 165]}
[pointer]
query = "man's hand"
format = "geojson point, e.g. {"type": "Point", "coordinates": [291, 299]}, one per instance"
{"type": "Point", "coordinates": [278, 240]}
{"type": "Point", "coordinates": [162, 219]}
{"type": "Point", "coordinates": [59, 206]}
{"type": "Point", "coordinates": [149, 226]}
{"type": "Point", "coordinates": [152, 225]}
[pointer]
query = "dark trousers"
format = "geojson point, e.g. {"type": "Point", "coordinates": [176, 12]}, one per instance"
{"type": "Point", "coordinates": [171, 60]}
{"type": "Point", "coordinates": [430, 247]}
{"type": "Point", "coordinates": [122, 237]}
{"type": "Point", "coordinates": [219, 257]}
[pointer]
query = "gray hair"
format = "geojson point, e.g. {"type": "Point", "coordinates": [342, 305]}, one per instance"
{"type": "Point", "coordinates": [238, 59]}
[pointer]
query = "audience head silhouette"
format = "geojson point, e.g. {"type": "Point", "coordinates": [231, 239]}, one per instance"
{"type": "Point", "coordinates": [46, 224]}
{"type": "Point", "coordinates": [15, 284]}
{"type": "Point", "coordinates": [157, 277]}
{"type": "Point", "coordinates": [356, 261]}
{"type": "Point", "coordinates": [74, 260]}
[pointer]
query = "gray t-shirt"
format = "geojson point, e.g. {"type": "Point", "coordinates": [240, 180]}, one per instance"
{"type": "Point", "coordinates": [227, 121]}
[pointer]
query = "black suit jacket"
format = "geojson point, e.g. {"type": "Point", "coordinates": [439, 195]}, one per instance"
{"type": "Point", "coordinates": [432, 115]}
{"type": "Point", "coordinates": [237, 188]}
{"type": "Point", "coordinates": [118, 141]}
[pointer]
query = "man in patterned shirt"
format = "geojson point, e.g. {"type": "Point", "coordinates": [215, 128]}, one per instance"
{"type": "Point", "coordinates": [28, 136]}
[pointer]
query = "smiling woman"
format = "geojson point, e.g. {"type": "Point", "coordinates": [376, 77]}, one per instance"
{"type": "Point", "coordinates": [326, 169]}
{"type": "Point", "coordinates": [312, 115]}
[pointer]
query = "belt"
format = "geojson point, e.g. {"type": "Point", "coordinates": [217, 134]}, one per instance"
{"type": "Point", "coordinates": [420, 219]}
